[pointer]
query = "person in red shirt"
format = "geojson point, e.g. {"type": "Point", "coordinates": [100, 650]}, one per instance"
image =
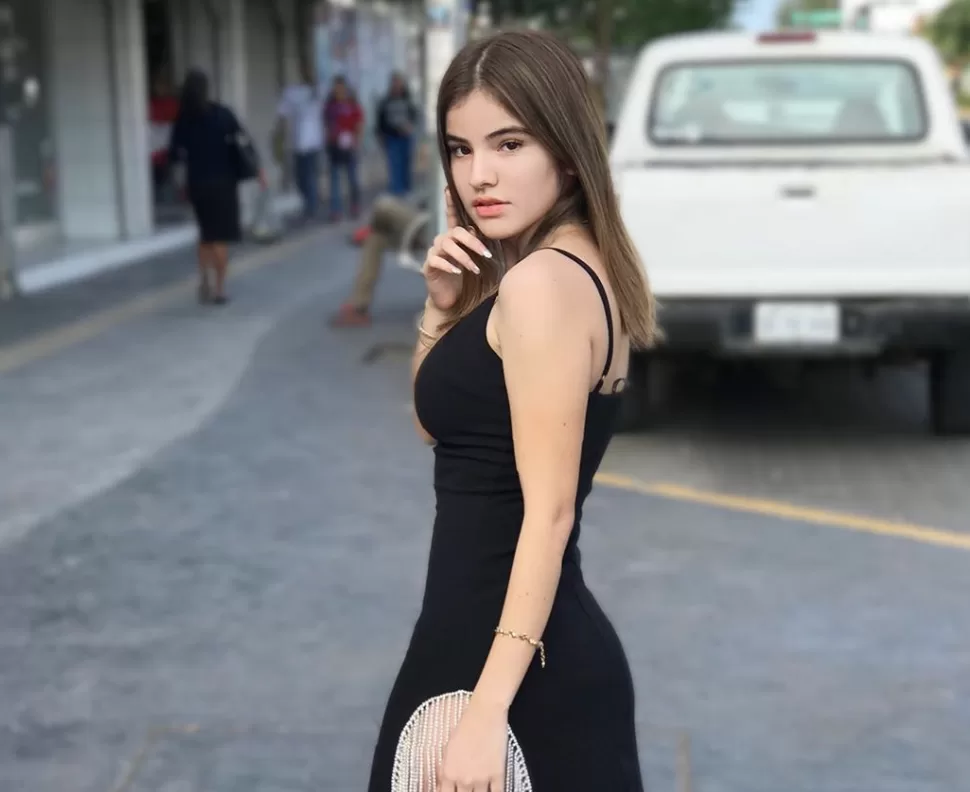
{"type": "Point", "coordinates": [163, 109]}
{"type": "Point", "coordinates": [343, 121]}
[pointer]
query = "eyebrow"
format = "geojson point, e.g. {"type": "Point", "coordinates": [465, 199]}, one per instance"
{"type": "Point", "coordinates": [509, 130]}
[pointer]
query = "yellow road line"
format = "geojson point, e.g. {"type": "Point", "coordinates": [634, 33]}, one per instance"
{"type": "Point", "coordinates": [61, 338]}
{"type": "Point", "coordinates": [790, 511]}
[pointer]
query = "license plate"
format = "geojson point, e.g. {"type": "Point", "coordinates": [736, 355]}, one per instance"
{"type": "Point", "coordinates": [797, 323]}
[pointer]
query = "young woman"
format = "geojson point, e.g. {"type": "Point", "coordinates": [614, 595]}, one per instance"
{"type": "Point", "coordinates": [535, 296]}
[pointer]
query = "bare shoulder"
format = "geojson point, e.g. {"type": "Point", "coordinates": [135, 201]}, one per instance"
{"type": "Point", "coordinates": [544, 285]}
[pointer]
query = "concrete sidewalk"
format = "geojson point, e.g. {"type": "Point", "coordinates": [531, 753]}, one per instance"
{"type": "Point", "coordinates": [56, 265]}
{"type": "Point", "coordinates": [26, 315]}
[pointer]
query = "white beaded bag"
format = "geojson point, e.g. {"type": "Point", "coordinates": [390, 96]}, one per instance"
{"type": "Point", "coordinates": [421, 747]}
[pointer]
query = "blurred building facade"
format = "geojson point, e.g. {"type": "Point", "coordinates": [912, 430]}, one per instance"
{"type": "Point", "coordinates": [79, 79]}
{"type": "Point", "coordinates": [889, 16]}
{"type": "Point", "coordinates": [87, 89]}
{"type": "Point", "coordinates": [365, 42]}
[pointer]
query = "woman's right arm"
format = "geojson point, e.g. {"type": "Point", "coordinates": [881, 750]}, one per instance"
{"type": "Point", "coordinates": [428, 332]}
{"type": "Point", "coordinates": [447, 259]}
{"type": "Point", "coordinates": [235, 126]}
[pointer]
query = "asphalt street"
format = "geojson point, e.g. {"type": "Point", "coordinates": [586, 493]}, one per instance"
{"type": "Point", "coordinates": [214, 526]}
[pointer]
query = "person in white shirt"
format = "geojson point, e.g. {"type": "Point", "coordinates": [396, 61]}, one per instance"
{"type": "Point", "coordinates": [300, 112]}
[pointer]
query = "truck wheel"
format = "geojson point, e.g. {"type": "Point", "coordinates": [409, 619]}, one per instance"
{"type": "Point", "coordinates": [950, 393]}
{"type": "Point", "coordinates": [636, 408]}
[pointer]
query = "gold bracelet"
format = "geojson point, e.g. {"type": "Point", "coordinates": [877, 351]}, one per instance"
{"type": "Point", "coordinates": [426, 339]}
{"type": "Point", "coordinates": [532, 641]}
{"type": "Point", "coordinates": [422, 332]}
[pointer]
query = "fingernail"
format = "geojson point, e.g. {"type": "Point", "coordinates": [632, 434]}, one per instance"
{"type": "Point", "coordinates": [487, 253]}
{"type": "Point", "coordinates": [476, 270]}
{"type": "Point", "coordinates": [456, 270]}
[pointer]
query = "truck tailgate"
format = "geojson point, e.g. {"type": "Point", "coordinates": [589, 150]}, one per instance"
{"type": "Point", "coordinates": [801, 231]}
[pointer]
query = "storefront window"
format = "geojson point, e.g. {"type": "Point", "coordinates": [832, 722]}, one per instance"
{"type": "Point", "coordinates": [24, 71]}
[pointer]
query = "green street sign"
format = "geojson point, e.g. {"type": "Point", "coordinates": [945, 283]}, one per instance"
{"type": "Point", "coordinates": [825, 17]}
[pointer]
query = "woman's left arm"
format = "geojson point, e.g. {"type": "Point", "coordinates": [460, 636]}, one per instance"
{"type": "Point", "coordinates": [546, 357]}
{"type": "Point", "coordinates": [176, 140]}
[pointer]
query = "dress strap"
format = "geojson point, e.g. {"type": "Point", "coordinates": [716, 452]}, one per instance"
{"type": "Point", "coordinates": [606, 307]}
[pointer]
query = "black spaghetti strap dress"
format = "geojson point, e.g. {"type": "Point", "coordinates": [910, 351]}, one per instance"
{"type": "Point", "coordinates": [574, 719]}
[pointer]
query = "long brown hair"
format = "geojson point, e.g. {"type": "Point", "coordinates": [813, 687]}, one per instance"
{"type": "Point", "coordinates": [539, 80]}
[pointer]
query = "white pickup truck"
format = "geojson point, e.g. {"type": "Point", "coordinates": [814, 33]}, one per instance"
{"type": "Point", "coordinates": [800, 194]}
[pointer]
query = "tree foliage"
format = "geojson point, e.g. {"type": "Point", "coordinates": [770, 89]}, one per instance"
{"type": "Point", "coordinates": [634, 22]}
{"type": "Point", "coordinates": [950, 31]}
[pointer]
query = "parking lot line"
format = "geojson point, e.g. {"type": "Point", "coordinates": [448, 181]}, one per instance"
{"type": "Point", "coordinates": [58, 339]}
{"type": "Point", "coordinates": [789, 511]}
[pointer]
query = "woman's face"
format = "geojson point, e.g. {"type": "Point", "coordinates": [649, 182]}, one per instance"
{"type": "Point", "coordinates": [506, 181]}
{"type": "Point", "coordinates": [339, 91]}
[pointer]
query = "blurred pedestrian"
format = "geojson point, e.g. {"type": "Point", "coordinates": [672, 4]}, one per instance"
{"type": "Point", "coordinates": [391, 219]}
{"type": "Point", "coordinates": [397, 118]}
{"type": "Point", "coordinates": [344, 121]}
{"type": "Point", "coordinates": [211, 144]}
{"type": "Point", "coordinates": [300, 115]}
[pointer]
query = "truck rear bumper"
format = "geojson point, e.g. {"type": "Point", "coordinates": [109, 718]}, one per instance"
{"type": "Point", "coordinates": [814, 328]}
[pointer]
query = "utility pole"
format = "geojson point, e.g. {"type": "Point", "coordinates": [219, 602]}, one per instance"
{"type": "Point", "coordinates": [306, 22]}
{"type": "Point", "coordinates": [445, 31]}
{"type": "Point", "coordinates": [8, 212]}
{"type": "Point", "coordinates": [10, 95]}
{"type": "Point", "coordinates": [604, 48]}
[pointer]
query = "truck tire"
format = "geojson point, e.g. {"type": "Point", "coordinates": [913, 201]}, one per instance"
{"type": "Point", "coordinates": [950, 393]}
{"type": "Point", "coordinates": [636, 401]}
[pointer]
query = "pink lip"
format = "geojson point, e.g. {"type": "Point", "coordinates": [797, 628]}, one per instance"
{"type": "Point", "coordinates": [489, 209]}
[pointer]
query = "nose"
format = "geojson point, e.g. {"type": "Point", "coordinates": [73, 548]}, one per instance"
{"type": "Point", "coordinates": [482, 173]}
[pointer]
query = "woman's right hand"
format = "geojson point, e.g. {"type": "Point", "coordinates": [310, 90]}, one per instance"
{"type": "Point", "coordinates": [448, 257]}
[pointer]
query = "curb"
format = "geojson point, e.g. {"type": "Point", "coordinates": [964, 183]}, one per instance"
{"type": "Point", "coordinates": [71, 268]}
